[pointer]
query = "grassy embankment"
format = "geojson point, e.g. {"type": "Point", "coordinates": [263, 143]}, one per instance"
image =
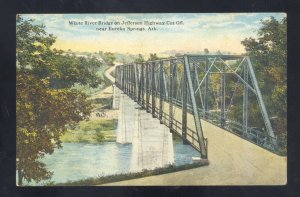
{"type": "Point", "coordinates": [127, 176]}
{"type": "Point", "coordinates": [94, 130]}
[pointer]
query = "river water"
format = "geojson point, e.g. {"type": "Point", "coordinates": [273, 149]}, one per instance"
{"type": "Point", "coordinates": [77, 161]}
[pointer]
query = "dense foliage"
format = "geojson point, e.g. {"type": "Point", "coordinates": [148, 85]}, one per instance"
{"type": "Point", "coordinates": [109, 58]}
{"type": "Point", "coordinates": [268, 52]}
{"type": "Point", "coordinates": [46, 103]}
{"type": "Point", "coordinates": [153, 57]}
{"type": "Point", "coordinates": [140, 58]}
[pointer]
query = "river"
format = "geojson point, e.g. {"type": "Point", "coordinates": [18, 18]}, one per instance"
{"type": "Point", "coordinates": [77, 161]}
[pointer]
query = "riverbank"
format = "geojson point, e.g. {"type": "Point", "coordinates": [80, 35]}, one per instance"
{"type": "Point", "coordinates": [93, 131]}
{"type": "Point", "coordinates": [103, 121]}
{"type": "Point", "coordinates": [128, 176]}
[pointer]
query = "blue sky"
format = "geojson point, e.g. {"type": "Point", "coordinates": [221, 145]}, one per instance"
{"type": "Point", "coordinates": [214, 31]}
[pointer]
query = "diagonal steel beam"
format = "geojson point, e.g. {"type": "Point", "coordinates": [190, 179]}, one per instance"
{"type": "Point", "coordinates": [206, 73]}
{"type": "Point", "coordinates": [260, 99]}
{"type": "Point", "coordinates": [200, 93]}
{"type": "Point", "coordinates": [199, 131]}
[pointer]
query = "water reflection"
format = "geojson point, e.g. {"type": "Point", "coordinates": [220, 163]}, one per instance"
{"type": "Point", "coordinates": [77, 161]}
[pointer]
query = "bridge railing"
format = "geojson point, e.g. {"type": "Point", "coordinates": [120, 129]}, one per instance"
{"type": "Point", "coordinates": [221, 89]}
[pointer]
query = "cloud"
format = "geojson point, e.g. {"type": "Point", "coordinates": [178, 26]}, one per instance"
{"type": "Point", "coordinates": [212, 31]}
{"type": "Point", "coordinates": [224, 24]}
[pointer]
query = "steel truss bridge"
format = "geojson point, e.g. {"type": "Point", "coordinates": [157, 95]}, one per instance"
{"type": "Point", "coordinates": [221, 89]}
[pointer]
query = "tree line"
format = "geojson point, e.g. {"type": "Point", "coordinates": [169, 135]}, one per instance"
{"type": "Point", "coordinates": [46, 102]}
{"type": "Point", "coordinates": [268, 53]}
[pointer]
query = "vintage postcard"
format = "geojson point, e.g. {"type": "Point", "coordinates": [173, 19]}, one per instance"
{"type": "Point", "coordinates": [166, 99]}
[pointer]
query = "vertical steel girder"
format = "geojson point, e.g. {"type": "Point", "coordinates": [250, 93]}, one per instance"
{"type": "Point", "coordinates": [171, 96]}
{"type": "Point", "coordinates": [184, 105]}
{"type": "Point", "coordinates": [206, 90]}
{"type": "Point", "coordinates": [125, 79]}
{"type": "Point", "coordinates": [147, 87]}
{"type": "Point", "coordinates": [128, 81]}
{"type": "Point", "coordinates": [142, 86]}
{"type": "Point", "coordinates": [165, 85]}
{"type": "Point", "coordinates": [153, 88]}
{"type": "Point", "coordinates": [136, 82]}
{"type": "Point", "coordinates": [131, 82]}
{"type": "Point", "coordinates": [117, 75]}
{"type": "Point", "coordinates": [161, 91]}
{"type": "Point", "coordinates": [223, 101]}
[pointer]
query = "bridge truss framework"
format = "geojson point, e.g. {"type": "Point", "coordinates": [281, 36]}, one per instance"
{"type": "Point", "coordinates": [204, 86]}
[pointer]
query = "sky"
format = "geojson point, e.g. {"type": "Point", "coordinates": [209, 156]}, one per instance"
{"type": "Point", "coordinates": [192, 33]}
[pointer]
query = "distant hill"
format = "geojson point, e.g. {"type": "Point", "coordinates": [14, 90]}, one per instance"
{"type": "Point", "coordinates": [181, 52]}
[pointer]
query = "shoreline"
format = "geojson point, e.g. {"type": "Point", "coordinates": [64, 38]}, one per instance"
{"type": "Point", "coordinates": [100, 180]}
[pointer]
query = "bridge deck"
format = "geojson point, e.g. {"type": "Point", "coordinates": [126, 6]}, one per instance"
{"type": "Point", "coordinates": [233, 161]}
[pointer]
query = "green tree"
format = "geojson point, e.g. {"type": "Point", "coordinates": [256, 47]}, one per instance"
{"type": "Point", "coordinates": [66, 70]}
{"type": "Point", "coordinates": [44, 109]}
{"type": "Point", "coordinates": [206, 51]}
{"type": "Point", "coordinates": [268, 53]}
{"type": "Point", "coordinates": [153, 57]}
{"type": "Point", "coordinates": [109, 58]}
{"type": "Point", "coordinates": [140, 58]}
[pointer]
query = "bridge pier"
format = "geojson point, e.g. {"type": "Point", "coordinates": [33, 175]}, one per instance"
{"type": "Point", "coordinates": [152, 143]}
{"type": "Point", "coordinates": [116, 97]}
{"type": "Point", "coordinates": [125, 119]}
